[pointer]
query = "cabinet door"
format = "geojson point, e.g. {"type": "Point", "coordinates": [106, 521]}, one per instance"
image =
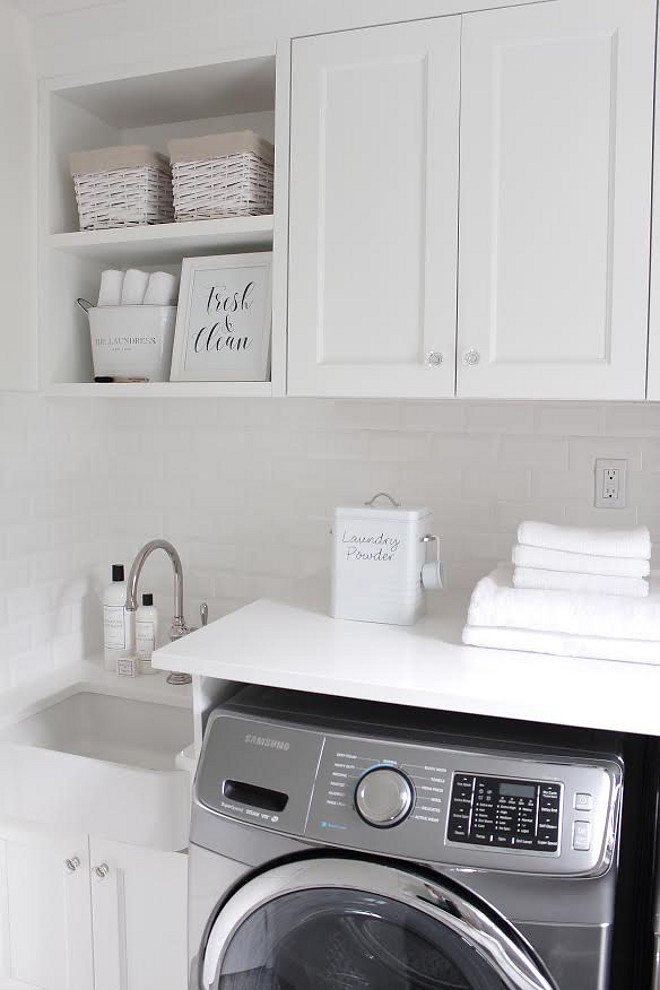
{"type": "Point", "coordinates": [45, 913]}
{"type": "Point", "coordinates": [373, 211]}
{"type": "Point", "coordinates": [139, 906]}
{"type": "Point", "coordinates": [556, 129]}
{"type": "Point", "coordinates": [18, 191]}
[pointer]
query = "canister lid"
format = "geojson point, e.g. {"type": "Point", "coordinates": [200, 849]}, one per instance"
{"type": "Point", "coordinates": [402, 513]}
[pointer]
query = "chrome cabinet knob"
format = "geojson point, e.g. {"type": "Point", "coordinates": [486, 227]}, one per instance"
{"type": "Point", "coordinates": [434, 359]}
{"type": "Point", "coordinates": [472, 356]}
{"type": "Point", "coordinates": [384, 796]}
{"type": "Point", "coordinates": [102, 871]}
{"type": "Point", "coordinates": [72, 864]}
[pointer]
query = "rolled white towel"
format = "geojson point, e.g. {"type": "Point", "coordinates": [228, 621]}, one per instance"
{"type": "Point", "coordinates": [595, 584]}
{"type": "Point", "coordinates": [162, 289]}
{"type": "Point", "coordinates": [134, 287]}
{"type": "Point", "coordinates": [604, 542]}
{"type": "Point", "coordinates": [495, 602]}
{"type": "Point", "coordinates": [110, 289]}
{"type": "Point", "coordinates": [562, 645]}
{"type": "Point", "coordinates": [580, 563]}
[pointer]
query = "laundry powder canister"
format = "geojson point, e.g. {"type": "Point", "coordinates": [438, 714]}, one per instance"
{"type": "Point", "coordinates": [379, 569]}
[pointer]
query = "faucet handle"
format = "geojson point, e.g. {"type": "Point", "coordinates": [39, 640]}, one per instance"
{"type": "Point", "coordinates": [204, 613]}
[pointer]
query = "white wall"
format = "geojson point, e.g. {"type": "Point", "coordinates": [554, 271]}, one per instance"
{"type": "Point", "coordinates": [245, 489]}
{"type": "Point", "coordinates": [18, 196]}
{"type": "Point", "coordinates": [52, 530]}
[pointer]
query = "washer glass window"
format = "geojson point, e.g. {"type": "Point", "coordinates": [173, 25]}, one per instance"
{"type": "Point", "coordinates": [334, 939]}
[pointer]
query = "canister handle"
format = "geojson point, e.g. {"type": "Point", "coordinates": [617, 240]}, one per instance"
{"type": "Point", "coordinates": [372, 501]}
{"type": "Point", "coordinates": [433, 578]}
{"type": "Point", "coordinates": [85, 305]}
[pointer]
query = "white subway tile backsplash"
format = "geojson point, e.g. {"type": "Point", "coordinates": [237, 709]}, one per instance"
{"type": "Point", "coordinates": [399, 447]}
{"type": "Point", "coordinates": [492, 417]}
{"type": "Point", "coordinates": [533, 451]}
{"type": "Point", "coordinates": [650, 455]}
{"type": "Point", "coordinates": [468, 450]}
{"type": "Point", "coordinates": [583, 514]}
{"type": "Point", "coordinates": [363, 415]}
{"type": "Point", "coordinates": [579, 419]}
{"type": "Point", "coordinates": [637, 420]}
{"type": "Point", "coordinates": [434, 417]}
{"type": "Point", "coordinates": [496, 483]}
{"type": "Point", "coordinates": [246, 490]}
{"type": "Point", "coordinates": [583, 453]}
{"type": "Point", "coordinates": [562, 485]}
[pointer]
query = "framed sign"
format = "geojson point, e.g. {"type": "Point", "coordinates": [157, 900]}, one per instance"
{"type": "Point", "coordinates": [222, 331]}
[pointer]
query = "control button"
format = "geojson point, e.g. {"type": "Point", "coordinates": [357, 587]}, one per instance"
{"type": "Point", "coordinates": [582, 836]}
{"type": "Point", "coordinates": [384, 797]}
{"type": "Point", "coordinates": [583, 802]}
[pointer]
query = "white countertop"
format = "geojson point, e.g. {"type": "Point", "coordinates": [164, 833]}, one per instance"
{"type": "Point", "coordinates": [32, 697]}
{"type": "Point", "coordinates": [293, 643]}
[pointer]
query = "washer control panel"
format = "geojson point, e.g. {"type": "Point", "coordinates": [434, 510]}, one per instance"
{"type": "Point", "coordinates": [504, 809]}
{"type": "Point", "coordinates": [505, 812]}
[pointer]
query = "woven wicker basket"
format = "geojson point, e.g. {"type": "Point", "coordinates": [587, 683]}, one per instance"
{"type": "Point", "coordinates": [227, 175]}
{"type": "Point", "coordinates": [122, 187]}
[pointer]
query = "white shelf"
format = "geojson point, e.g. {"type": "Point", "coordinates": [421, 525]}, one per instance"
{"type": "Point", "coordinates": [161, 390]}
{"type": "Point", "coordinates": [168, 243]}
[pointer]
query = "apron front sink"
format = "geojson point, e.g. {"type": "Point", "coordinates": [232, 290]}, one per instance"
{"type": "Point", "coordinates": [100, 764]}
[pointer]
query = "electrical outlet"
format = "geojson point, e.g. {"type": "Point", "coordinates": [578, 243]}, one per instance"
{"type": "Point", "coordinates": [610, 484]}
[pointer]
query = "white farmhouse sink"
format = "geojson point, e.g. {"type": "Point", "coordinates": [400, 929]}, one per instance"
{"type": "Point", "coordinates": [100, 764]}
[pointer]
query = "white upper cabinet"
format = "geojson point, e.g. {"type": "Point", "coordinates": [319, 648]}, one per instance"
{"type": "Point", "coordinates": [556, 125]}
{"type": "Point", "coordinates": [373, 211]}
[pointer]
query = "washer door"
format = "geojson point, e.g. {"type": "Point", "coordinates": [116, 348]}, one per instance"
{"type": "Point", "coordinates": [341, 924]}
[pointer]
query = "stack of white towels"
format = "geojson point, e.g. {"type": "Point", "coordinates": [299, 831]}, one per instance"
{"type": "Point", "coordinates": [571, 592]}
{"type": "Point", "coordinates": [564, 558]}
{"type": "Point", "coordinates": [137, 288]}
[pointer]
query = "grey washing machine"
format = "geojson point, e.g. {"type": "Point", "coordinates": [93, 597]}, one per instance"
{"type": "Point", "coordinates": [347, 847]}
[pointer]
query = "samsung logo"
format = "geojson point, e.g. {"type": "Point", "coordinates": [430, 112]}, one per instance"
{"type": "Point", "coordinates": [265, 742]}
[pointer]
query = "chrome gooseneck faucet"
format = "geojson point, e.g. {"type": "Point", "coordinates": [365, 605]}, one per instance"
{"type": "Point", "coordinates": [179, 627]}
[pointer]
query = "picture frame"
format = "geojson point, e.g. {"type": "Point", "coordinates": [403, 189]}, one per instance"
{"type": "Point", "coordinates": [223, 321]}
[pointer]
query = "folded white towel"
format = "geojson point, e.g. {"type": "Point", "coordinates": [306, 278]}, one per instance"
{"type": "Point", "coordinates": [595, 584]}
{"type": "Point", "coordinates": [134, 287]}
{"type": "Point", "coordinates": [579, 563]}
{"type": "Point", "coordinates": [110, 288]}
{"type": "Point", "coordinates": [561, 645]}
{"type": "Point", "coordinates": [604, 542]}
{"type": "Point", "coordinates": [162, 289]}
{"type": "Point", "coordinates": [495, 602]}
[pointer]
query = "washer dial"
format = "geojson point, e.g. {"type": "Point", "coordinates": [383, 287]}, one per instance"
{"type": "Point", "coordinates": [384, 797]}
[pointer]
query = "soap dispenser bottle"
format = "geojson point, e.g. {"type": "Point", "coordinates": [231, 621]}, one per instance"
{"type": "Point", "coordinates": [146, 632]}
{"type": "Point", "coordinates": [117, 621]}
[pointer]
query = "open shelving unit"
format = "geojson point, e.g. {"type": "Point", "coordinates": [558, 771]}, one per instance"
{"type": "Point", "coordinates": [150, 106]}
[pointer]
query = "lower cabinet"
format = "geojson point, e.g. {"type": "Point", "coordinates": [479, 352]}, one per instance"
{"type": "Point", "coordinates": [139, 917]}
{"type": "Point", "coordinates": [45, 910]}
{"type": "Point", "coordinates": [80, 913]}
